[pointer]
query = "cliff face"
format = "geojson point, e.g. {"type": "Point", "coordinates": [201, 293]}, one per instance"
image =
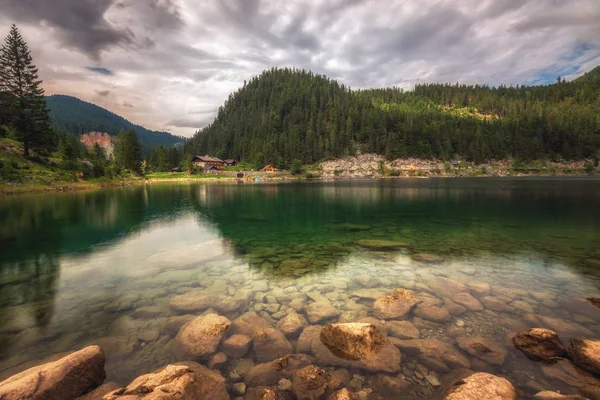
{"type": "Point", "coordinates": [102, 138]}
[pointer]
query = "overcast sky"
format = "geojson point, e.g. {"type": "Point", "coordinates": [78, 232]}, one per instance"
{"type": "Point", "coordinates": [169, 64]}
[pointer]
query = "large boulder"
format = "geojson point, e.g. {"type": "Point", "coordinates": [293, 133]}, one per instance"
{"type": "Point", "coordinates": [64, 379]}
{"type": "Point", "coordinates": [585, 353]}
{"type": "Point", "coordinates": [482, 348]}
{"type": "Point", "coordinates": [482, 386]}
{"type": "Point", "coordinates": [354, 341]}
{"type": "Point", "coordinates": [386, 359]}
{"type": "Point", "coordinates": [399, 304]}
{"type": "Point", "coordinates": [310, 383]}
{"type": "Point", "coordinates": [183, 381]}
{"type": "Point", "coordinates": [248, 323]}
{"type": "Point", "coordinates": [200, 337]}
{"type": "Point", "coordinates": [540, 344]}
{"type": "Point", "coordinates": [270, 344]}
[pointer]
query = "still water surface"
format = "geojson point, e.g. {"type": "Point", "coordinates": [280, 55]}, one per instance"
{"type": "Point", "coordinates": [75, 268]}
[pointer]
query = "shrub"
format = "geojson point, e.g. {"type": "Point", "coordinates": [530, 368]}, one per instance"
{"type": "Point", "coordinates": [296, 167]}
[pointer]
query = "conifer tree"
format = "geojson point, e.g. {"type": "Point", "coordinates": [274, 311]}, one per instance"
{"type": "Point", "coordinates": [23, 98]}
{"type": "Point", "coordinates": [128, 153]}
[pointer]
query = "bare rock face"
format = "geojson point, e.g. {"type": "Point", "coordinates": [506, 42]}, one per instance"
{"type": "Point", "coordinates": [482, 348]}
{"type": "Point", "coordinates": [400, 303]}
{"type": "Point", "coordinates": [292, 324]}
{"type": "Point", "coordinates": [65, 379]}
{"type": "Point", "coordinates": [187, 380]}
{"type": "Point", "coordinates": [539, 344]}
{"type": "Point", "coordinates": [585, 354]}
{"type": "Point", "coordinates": [236, 346]}
{"type": "Point", "coordinates": [354, 341]}
{"type": "Point", "coordinates": [270, 344]}
{"type": "Point", "coordinates": [482, 386]}
{"type": "Point", "coordinates": [310, 383]}
{"type": "Point", "coordinates": [200, 337]}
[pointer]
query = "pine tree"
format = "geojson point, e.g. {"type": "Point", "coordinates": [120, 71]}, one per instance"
{"type": "Point", "coordinates": [23, 97]}
{"type": "Point", "coordinates": [128, 153]}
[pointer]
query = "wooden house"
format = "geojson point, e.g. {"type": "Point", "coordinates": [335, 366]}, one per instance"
{"type": "Point", "coordinates": [269, 168]}
{"type": "Point", "coordinates": [230, 162]}
{"type": "Point", "coordinates": [176, 169]}
{"type": "Point", "coordinates": [207, 161]}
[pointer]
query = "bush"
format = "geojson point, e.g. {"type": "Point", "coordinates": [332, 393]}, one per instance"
{"type": "Point", "coordinates": [395, 172]}
{"type": "Point", "coordinates": [588, 166]}
{"type": "Point", "coordinates": [296, 167]}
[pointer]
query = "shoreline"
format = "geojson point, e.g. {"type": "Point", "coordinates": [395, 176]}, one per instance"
{"type": "Point", "coordinates": [58, 187]}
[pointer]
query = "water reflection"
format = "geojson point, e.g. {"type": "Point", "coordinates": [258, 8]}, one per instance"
{"type": "Point", "coordinates": [74, 267]}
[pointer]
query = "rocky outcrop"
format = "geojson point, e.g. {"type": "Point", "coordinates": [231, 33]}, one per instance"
{"type": "Point", "coordinates": [482, 348]}
{"type": "Point", "coordinates": [585, 354]}
{"type": "Point", "coordinates": [187, 380]}
{"type": "Point", "coordinates": [64, 379]}
{"type": "Point", "coordinates": [310, 383]}
{"type": "Point", "coordinates": [200, 337]}
{"type": "Point", "coordinates": [398, 305]}
{"type": "Point", "coordinates": [539, 344]}
{"type": "Point", "coordinates": [482, 386]}
{"type": "Point", "coordinates": [270, 344]}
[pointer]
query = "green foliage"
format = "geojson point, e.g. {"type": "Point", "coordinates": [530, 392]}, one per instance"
{"type": "Point", "coordinates": [381, 167]}
{"type": "Point", "coordinates": [128, 153]}
{"type": "Point", "coordinates": [22, 100]}
{"type": "Point", "coordinates": [287, 114]}
{"type": "Point", "coordinates": [296, 167]}
{"type": "Point", "coordinates": [76, 117]}
{"type": "Point", "coordinates": [588, 166]}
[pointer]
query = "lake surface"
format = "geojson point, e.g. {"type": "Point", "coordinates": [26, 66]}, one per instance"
{"type": "Point", "coordinates": [103, 267]}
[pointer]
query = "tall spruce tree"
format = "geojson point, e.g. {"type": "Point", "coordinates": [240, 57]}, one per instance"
{"type": "Point", "coordinates": [128, 153]}
{"type": "Point", "coordinates": [23, 98]}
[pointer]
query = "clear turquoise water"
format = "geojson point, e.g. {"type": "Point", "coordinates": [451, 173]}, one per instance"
{"type": "Point", "coordinates": [75, 266]}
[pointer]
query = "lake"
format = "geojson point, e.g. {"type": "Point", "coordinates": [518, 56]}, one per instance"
{"type": "Point", "coordinates": [486, 257]}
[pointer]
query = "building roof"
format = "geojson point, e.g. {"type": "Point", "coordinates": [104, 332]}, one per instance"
{"type": "Point", "coordinates": [229, 160]}
{"type": "Point", "coordinates": [207, 159]}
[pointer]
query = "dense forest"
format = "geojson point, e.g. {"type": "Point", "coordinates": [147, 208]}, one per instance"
{"type": "Point", "coordinates": [74, 116]}
{"type": "Point", "coordinates": [287, 114]}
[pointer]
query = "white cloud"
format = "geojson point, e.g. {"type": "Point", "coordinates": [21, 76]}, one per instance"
{"type": "Point", "coordinates": [172, 58]}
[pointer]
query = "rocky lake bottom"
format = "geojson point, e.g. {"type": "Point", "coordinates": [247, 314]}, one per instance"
{"type": "Point", "coordinates": [255, 304]}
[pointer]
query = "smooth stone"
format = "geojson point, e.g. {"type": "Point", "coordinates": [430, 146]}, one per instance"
{"type": "Point", "coordinates": [481, 386]}
{"type": "Point", "coordinates": [468, 301]}
{"type": "Point", "coordinates": [540, 344]}
{"type": "Point", "coordinates": [270, 373]}
{"type": "Point", "coordinates": [292, 324]}
{"type": "Point", "coordinates": [236, 346]}
{"type": "Point", "coordinates": [483, 349]}
{"type": "Point", "coordinates": [389, 386]}
{"type": "Point", "coordinates": [217, 361]}
{"type": "Point", "coordinates": [186, 380]}
{"type": "Point", "coordinates": [248, 323]}
{"type": "Point", "coordinates": [398, 305]}
{"type": "Point", "coordinates": [402, 329]}
{"type": "Point", "coordinates": [200, 337]}
{"type": "Point", "coordinates": [585, 354]}
{"type": "Point", "coordinates": [432, 313]}
{"type": "Point", "coordinates": [439, 356]}
{"type": "Point", "coordinates": [495, 303]}
{"type": "Point", "coordinates": [100, 391]}
{"type": "Point", "coordinates": [321, 311]}
{"type": "Point", "coordinates": [147, 312]}
{"type": "Point", "coordinates": [66, 378]}
{"type": "Point", "coordinates": [270, 344]}
{"type": "Point", "coordinates": [343, 394]}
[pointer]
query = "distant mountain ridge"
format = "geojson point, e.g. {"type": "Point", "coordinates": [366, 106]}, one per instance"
{"type": "Point", "coordinates": [78, 117]}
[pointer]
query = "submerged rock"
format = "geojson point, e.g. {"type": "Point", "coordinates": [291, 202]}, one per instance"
{"type": "Point", "coordinates": [595, 301]}
{"type": "Point", "coordinates": [271, 373]}
{"type": "Point", "coordinates": [428, 258]}
{"type": "Point", "coordinates": [389, 386]}
{"type": "Point", "coordinates": [292, 324]}
{"type": "Point", "coordinates": [482, 348]}
{"type": "Point", "coordinates": [66, 378]}
{"type": "Point", "coordinates": [439, 356]}
{"type": "Point", "coordinates": [402, 329]}
{"type": "Point", "coordinates": [481, 386]}
{"type": "Point", "coordinates": [321, 310]}
{"type": "Point", "coordinates": [354, 341]}
{"type": "Point", "coordinates": [236, 346]}
{"type": "Point", "coordinates": [585, 353]}
{"type": "Point", "coordinates": [539, 344]}
{"type": "Point", "coordinates": [399, 304]}
{"type": "Point", "coordinates": [248, 323]}
{"type": "Point", "coordinates": [310, 383]}
{"type": "Point", "coordinates": [100, 391]}
{"type": "Point", "coordinates": [187, 380]}
{"type": "Point", "coordinates": [200, 337]}
{"type": "Point", "coordinates": [382, 245]}
{"type": "Point", "coordinates": [343, 394]}
{"type": "Point", "coordinates": [431, 312]}
{"type": "Point", "coordinates": [270, 344]}
{"type": "Point", "coordinates": [468, 301]}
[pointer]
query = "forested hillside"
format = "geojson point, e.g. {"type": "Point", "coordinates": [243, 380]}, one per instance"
{"type": "Point", "coordinates": [75, 116]}
{"type": "Point", "coordinates": [287, 114]}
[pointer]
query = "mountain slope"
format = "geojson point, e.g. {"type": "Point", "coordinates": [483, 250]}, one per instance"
{"type": "Point", "coordinates": [78, 117]}
{"type": "Point", "coordinates": [287, 114]}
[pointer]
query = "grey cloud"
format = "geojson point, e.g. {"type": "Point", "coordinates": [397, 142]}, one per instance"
{"type": "Point", "coordinates": [103, 93]}
{"type": "Point", "coordinates": [559, 20]}
{"type": "Point", "coordinates": [126, 104]}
